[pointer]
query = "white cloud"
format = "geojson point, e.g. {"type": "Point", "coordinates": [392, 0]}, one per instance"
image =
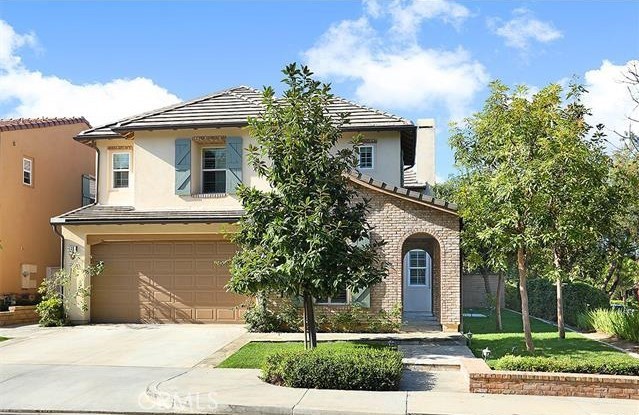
{"type": "Point", "coordinates": [40, 95]}
{"type": "Point", "coordinates": [390, 68]}
{"type": "Point", "coordinates": [524, 28]}
{"type": "Point", "coordinates": [408, 16]}
{"type": "Point", "coordinates": [609, 99]}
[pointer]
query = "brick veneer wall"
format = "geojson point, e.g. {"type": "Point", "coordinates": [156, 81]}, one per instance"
{"type": "Point", "coordinates": [396, 220]}
{"type": "Point", "coordinates": [25, 314]}
{"type": "Point", "coordinates": [482, 379]}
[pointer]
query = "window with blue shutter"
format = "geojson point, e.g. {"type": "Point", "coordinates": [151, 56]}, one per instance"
{"type": "Point", "coordinates": [233, 163]}
{"type": "Point", "coordinates": [183, 166]}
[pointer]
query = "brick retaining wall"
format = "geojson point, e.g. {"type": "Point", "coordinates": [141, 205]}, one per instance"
{"type": "Point", "coordinates": [19, 314]}
{"type": "Point", "coordinates": [482, 379]}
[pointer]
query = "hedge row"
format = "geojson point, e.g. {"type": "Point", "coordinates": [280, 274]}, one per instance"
{"type": "Point", "coordinates": [604, 365]}
{"type": "Point", "coordinates": [542, 299]}
{"type": "Point", "coordinates": [359, 369]}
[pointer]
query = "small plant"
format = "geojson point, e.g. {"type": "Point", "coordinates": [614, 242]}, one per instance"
{"type": "Point", "coordinates": [52, 308]}
{"type": "Point", "coordinates": [374, 369]}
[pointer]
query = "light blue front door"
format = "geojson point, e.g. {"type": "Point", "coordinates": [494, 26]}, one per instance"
{"type": "Point", "coordinates": [418, 273]}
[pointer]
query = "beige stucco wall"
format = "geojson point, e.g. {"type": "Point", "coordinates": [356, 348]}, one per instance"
{"type": "Point", "coordinates": [152, 178]}
{"type": "Point", "coordinates": [81, 237]}
{"type": "Point", "coordinates": [25, 234]}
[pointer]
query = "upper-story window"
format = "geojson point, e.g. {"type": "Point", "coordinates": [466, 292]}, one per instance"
{"type": "Point", "coordinates": [27, 171]}
{"type": "Point", "coordinates": [121, 169]}
{"type": "Point", "coordinates": [366, 156]}
{"type": "Point", "coordinates": [213, 170]}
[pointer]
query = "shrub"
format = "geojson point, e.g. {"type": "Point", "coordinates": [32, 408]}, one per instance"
{"type": "Point", "coordinates": [359, 369]}
{"type": "Point", "coordinates": [606, 365]}
{"type": "Point", "coordinates": [355, 319]}
{"type": "Point", "coordinates": [622, 324]}
{"type": "Point", "coordinates": [264, 316]}
{"type": "Point", "coordinates": [511, 295]}
{"type": "Point", "coordinates": [51, 312]}
{"type": "Point", "coordinates": [542, 299]}
{"type": "Point", "coordinates": [282, 315]}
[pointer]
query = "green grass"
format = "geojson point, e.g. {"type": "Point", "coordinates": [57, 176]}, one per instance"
{"type": "Point", "coordinates": [253, 354]}
{"type": "Point", "coordinates": [545, 338]}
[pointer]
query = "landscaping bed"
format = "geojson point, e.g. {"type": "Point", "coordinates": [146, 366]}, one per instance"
{"type": "Point", "coordinates": [574, 354]}
{"type": "Point", "coordinates": [332, 365]}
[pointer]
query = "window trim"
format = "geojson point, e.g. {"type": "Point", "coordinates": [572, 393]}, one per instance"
{"type": "Point", "coordinates": [427, 270]}
{"type": "Point", "coordinates": [202, 169]}
{"type": "Point", "coordinates": [30, 160]}
{"type": "Point", "coordinates": [114, 170]}
{"type": "Point", "coordinates": [372, 147]}
{"type": "Point", "coordinates": [329, 300]}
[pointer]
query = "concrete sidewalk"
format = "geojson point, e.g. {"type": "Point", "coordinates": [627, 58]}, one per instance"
{"type": "Point", "coordinates": [223, 391]}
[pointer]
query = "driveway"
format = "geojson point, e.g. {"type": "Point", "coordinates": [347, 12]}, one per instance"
{"type": "Point", "coordinates": [100, 368]}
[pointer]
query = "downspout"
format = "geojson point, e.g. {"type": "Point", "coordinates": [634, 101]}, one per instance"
{"type": "Point", "coordinates": [97, 170]}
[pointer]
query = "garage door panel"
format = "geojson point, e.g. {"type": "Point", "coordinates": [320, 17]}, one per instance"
{"type": "Point", "coordinates": [206, 249]}
{"type": "Point", "coordinates": [164, 282]}
{"type": "Point", "coordinates": [184, 249]}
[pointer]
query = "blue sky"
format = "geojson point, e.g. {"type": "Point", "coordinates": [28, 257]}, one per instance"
{"type": "Point", "coordinates": [428, 59]}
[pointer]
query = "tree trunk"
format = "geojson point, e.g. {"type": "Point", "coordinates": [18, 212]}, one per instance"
{"type": "Point", "coordinates": [310, 330]}
{"type": "Point", "coordinates": [611, 272]}
{"type": "Point", "coordinates": [523, 292]}
{"type": "Point", "coordinates": [500, 281]}
{"type": "Point", "coordinates": [560, 298]}
{"type": "Point", "coordinates": [484, 274]}
{"type": "Point", "coordinates": [611, 292]}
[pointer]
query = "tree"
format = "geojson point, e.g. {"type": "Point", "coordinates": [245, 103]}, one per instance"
{"type": "Point", "coordinates": [308, 236]}
{"type": "Point", "coordinates": [631, 79]}
{"type": "Point", "coordinates": [498, 151]}
{"type": "Point", "coordinates": [572, 174]}
{"type": "Point", "coordinates": [479, 255]}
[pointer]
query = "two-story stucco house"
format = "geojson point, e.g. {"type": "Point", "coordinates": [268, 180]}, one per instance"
{"type": "Point", "coordinates": [41, 171]}
{"type": "Point", "coordinates": [166, 203]}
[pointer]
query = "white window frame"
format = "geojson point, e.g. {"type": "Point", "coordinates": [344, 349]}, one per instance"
{"type": "Point", "coordinates": [114, 170]}
{"type": "Point", "coordinates": [427, 269]}
{"type": "Point", "coordinates": [30, 171]}
{"type": "Point", "coordinates": [329, 300]}
{"type": "Point", "coordinates": [359, 159]}
{"type": "Point", "coordinates": [202, 169]}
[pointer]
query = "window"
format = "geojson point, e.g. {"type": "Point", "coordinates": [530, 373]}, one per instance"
{"type": "Point", "coordinates": [419, 267]}
{"type": "Point", "coordinates": [27, 171]}
{"type": "Point", "coordinates": [121, 165]}
{"type": "Point", "coordinates": [339, 298]}
{"type": "Point", "coordinates": [214, 170]}
{"type": "Point", "coordinates": [365, 157]}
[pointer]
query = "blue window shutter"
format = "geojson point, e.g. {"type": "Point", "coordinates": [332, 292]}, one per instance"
{"type": "Point", "coordinates": [233, 163]}
{"type": "Point", "coordinates": [183, 166]}
{"type": "Point", "coordinates": [361, 298]}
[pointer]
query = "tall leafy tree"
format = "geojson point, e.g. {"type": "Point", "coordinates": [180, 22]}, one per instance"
{"type": "Point", "coordinates": [572, 175]}
{"type": "Point", "coordinates": [498, 152]}
{"type": "Point", "coordinates": [308, 236]}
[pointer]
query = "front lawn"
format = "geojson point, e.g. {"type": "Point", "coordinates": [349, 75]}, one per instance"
{"type": "Point", "coordinates": [547, 343]}
{"type": "Point", "coordinates": [253, 354]}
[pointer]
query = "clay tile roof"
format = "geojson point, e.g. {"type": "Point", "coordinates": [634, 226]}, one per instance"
{"type": "Point", "coordinates": [11, 124]}
{"type": "Point", "coordinates": [418, 197]}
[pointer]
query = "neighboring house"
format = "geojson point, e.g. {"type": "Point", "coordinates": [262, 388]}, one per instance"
{"type": "Point", "coordinates": [166, 199]}
{"type": "Point", "coordinates": [41, 173]}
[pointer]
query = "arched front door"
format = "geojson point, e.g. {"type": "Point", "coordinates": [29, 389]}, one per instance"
{"type": "Point", "coordinates": [418, 276]}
